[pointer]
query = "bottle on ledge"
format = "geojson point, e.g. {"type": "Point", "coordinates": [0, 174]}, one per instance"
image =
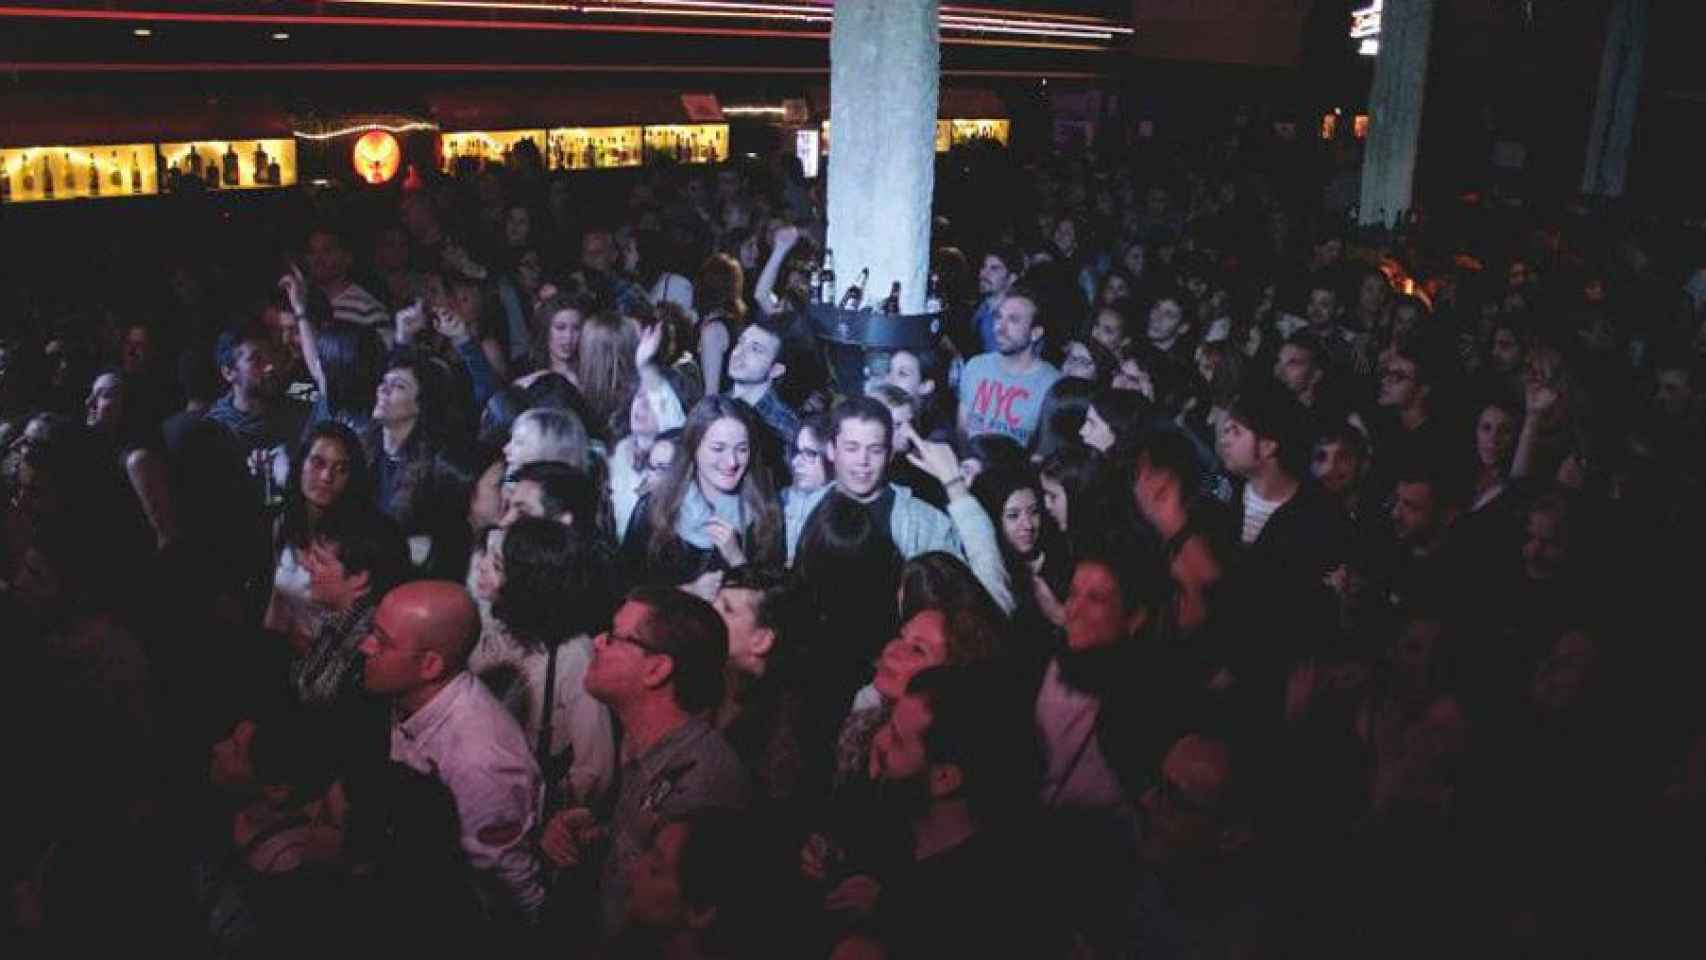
{"type": "Point", "coordinates": [891, 303]}
{"type": "Point", "coordinates": [135, 173]}
{"type": "Point", "coordinates": [260, 160]}
{"type": "Point", "coordinates": [46, 177]}
{"type": "Point", "coordinates": [5, 182]}
{"type": "Point", "coordinates": [229, 172]}
{"type": "Point", "coordinates": [94, 177]}
{"type": "Point", "coordinates": [826, 279]}
{"type": "Point", "coordinates": [115, 175]}
{"type": "Point", "coordinates": [855, 295]}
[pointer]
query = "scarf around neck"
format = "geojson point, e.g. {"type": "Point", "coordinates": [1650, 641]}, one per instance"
{"type": "Point", "coordinates": [696, 510]}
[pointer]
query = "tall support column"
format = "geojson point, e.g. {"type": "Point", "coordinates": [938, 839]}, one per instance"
{"type": "Point", "coordinates": [885, 66]}
{"type": "Point", "coordinates": [1619, 95]}
{"type": "Point", "coordinates": [1395, 109]}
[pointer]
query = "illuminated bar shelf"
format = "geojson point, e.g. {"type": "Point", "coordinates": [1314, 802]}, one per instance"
{"type": "Point", "coordinates": [230, 164]}
{"type": "Point", "coordinates": [688, 142]}
{"type": "Point", "coordinates": [595, 148]}
{"type": "Point", "coordinates": [484, 147]}
{"type": "Point", "coordinates": [45, 174]}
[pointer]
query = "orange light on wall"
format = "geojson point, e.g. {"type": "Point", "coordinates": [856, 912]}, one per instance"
{"type": "Point", "coordinates": [376, 157]}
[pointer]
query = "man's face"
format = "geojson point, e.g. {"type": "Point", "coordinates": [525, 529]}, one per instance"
{"type": "Point", "coordinates": [1323, 305]}
{"type": "Point", "coordinates": [654, 882]}
{"type": "Point", "coordinates": [994, 278]}
{"type": "Point", "coordinates": [326, 259]}
{"type": "Point", "coordinates": [329, 584]}
{"type": "Point", "coordinates": [897, 750]}
{"type": "Point", "coordinates": [753, 359]}
{"type": "Point", "coordinates": [749, 643]}
{"type": "Point", "coordinates": [1336, 466]}
{"type": "Point", "coordinates": [1015, 323]}
{"type": "Point", "coordinates": [394, 659]}
{"type": "Point", "coordinates": [1165, 319]}
{"type": "Point", "coordinates": [1109, 330]}
{"type": "Point", "coordinates": [138, 350]}
{"type": "Point", "coordinates": [1240, 448]}
{"type": "Point", "coordinates": [1506, 352]}
{"type": "Point", "coordinates": [1399, 386]}
{"type": "Point", "coordinates": [1296, 369]}
{"type": "Point", "coordinates": [622, 657]}
{"type": "Point", "coordinates": [254, 370]}
{"type": "Point", "coordinates": [1674, 394]}
{"type": "Point", "coordinates": [1371, 296]}
{"type": "Point", "coordinates": [1415, 516]}
{"type": "Point", "coordinates": [1096, 615]}
{"type": "Point", "coordinates": [598, 252]}
{"type": "Point", "coordinates": [922, 643]}
{"type": "Point", "coordinates": [1546, 549]}
{"type": "Point", "coordinates": [860, 455]}
{"type": "Point", "coordinates": [523, 499]}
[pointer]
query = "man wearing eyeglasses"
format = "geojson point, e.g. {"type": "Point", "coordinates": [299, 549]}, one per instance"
{"type": "Point", "coordinates": [660, 669]}
{"type": "Point", "coordinates": [447, 725]}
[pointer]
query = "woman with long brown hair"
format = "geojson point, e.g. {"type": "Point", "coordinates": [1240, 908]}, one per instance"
{"type": "Point", "coordinates": [605, 369]}
{"type": "Point", "coordinates": [719, 297]}
{"type": "Point", "coordinates": [716, 508]}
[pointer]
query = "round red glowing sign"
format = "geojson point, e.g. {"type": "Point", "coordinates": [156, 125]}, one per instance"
{"type": "Point", "coordinates": [377, 157]}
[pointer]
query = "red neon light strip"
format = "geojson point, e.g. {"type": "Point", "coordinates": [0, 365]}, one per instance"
{"type": "Point", "coordinates": [66, 66]}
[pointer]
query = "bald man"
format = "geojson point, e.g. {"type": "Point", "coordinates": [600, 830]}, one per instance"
{"type": "Point", "coordinates": [446, 724]}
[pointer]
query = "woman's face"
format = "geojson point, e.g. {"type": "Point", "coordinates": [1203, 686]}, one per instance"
{"type": "Point", "coordinates": [722, 457]}
{"type": "Point", "coordinates": [1022, 521]}
{"type": "Point", "coordinates": [1077, 362]}
{"type": "Point", "coordinates": [1133, 261]}
{"type": "Point", "coordinates": [658, 461]}
{"type": "Point", "coordinates": [1096, 433]}
{"type": "Point", "coordinates": [105, 407]}
{"type": "Point", "coordinates": [904, 372]}
{"type": "Point", "coordinates": [564, 338]}
{"type": "Point", "coordinates": [518, 226]}
{"type": "Point", "coordinates": [642, 420]}
{"type": "Point", "coordinates": [1066, 237]}
{"type": "Point", "coordinates": [1507, 350]}
{"type": "Point", "coordinates": [1055, 501]}
{"type": "Point", "coordinates": [1495, 437]}
{"type": "Point", "coordinates": [1115, 289]}
{"type": "Point", "coordinates": [398, 396]}
{"type": "Point", "coordinates": [922, 643]}
{"type": "Point", "coordinates": [325, 472]}
{"type": "Point", "coordinates": [489, 572]}
{"type": "Point", "coordinates": [808, 462]}
{"type": "Point", "coordinates": [526, 444]}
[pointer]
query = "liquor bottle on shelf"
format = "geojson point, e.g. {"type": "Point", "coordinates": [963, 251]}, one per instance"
{"type": "Point", "coordinates": [232, 176]}
{"type": "Point", "coordinates": [211, 169]}
{"type": "Point", "coordinates": [5, 182]}
{"type": "Point", "coordinates": [891, 303]}
{"type": "Point", "coordinates": [826, 279]}
{"type": "Point", "coordinates": [94, 177]}
{"type": "Point", "coordinates": [68, 176]}
{"type": "Point", "coordinates": [260, 160]}
{"type": "Point", "coordinates": [46, 177]}
{"type": "Point", "coordinates": [115, 175]}
{"type": "Point", "coordinates": [135, 173]}
{"type": "Point", "coordinates": [590, 158]}
{"type": "Point", "coordinates": [192, 163]}
{"type": "Point", "coordinates": [275, 175]}
{"type": "Point", "coordinates": [29, 175]}
{"type": "Point", "coordinates": [854, 298]}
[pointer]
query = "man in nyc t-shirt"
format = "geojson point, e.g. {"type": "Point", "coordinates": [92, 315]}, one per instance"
{"type": "Point", "coordinates": [1001, 392]}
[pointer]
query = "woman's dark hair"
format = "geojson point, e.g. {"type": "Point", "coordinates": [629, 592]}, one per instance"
{"type": "Point", "coordinates": [993, 488]}
{"type": "Point", "coordinates": [720, 288]}
{"type": "Point", "coordinates": [939, 580]}
{"type": "Point", "coordinates": [433, 399]}
{"type": "Point", "coordinates": [1126, 412]}
{"type": "Point", "coordinates": [552, 588]}
{"type": "Point", "coordinates": [1102, 286]}
{"type": "Point", "coordinates": [294, 528]}
{"type": "Point", "coordinates": [563, 489]}
{"type": "Point", "coordinates": [757, 498]}
{"type": "Point", "coordinates": [852, 570]}
{"type": "Point", "coordinates": [350, 357]}
{"type": "Point", "coordinates": [1061, 416]}
{"type": "Point", "coordinates": [1090, 492]}
{"type": "Point", "coordinates": [994, 450]}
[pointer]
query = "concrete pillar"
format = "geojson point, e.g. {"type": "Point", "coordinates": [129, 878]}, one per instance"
{"type": "Point", "coordinates": [1395, 109]}
{"type": "Point", "coordinates": [1618, 98]}
{"type": "Point", "coordinates": [885, 66]}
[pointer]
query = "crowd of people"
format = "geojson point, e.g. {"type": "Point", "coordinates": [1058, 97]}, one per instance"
{"type": "Point", "coordinates": [495, 564]}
